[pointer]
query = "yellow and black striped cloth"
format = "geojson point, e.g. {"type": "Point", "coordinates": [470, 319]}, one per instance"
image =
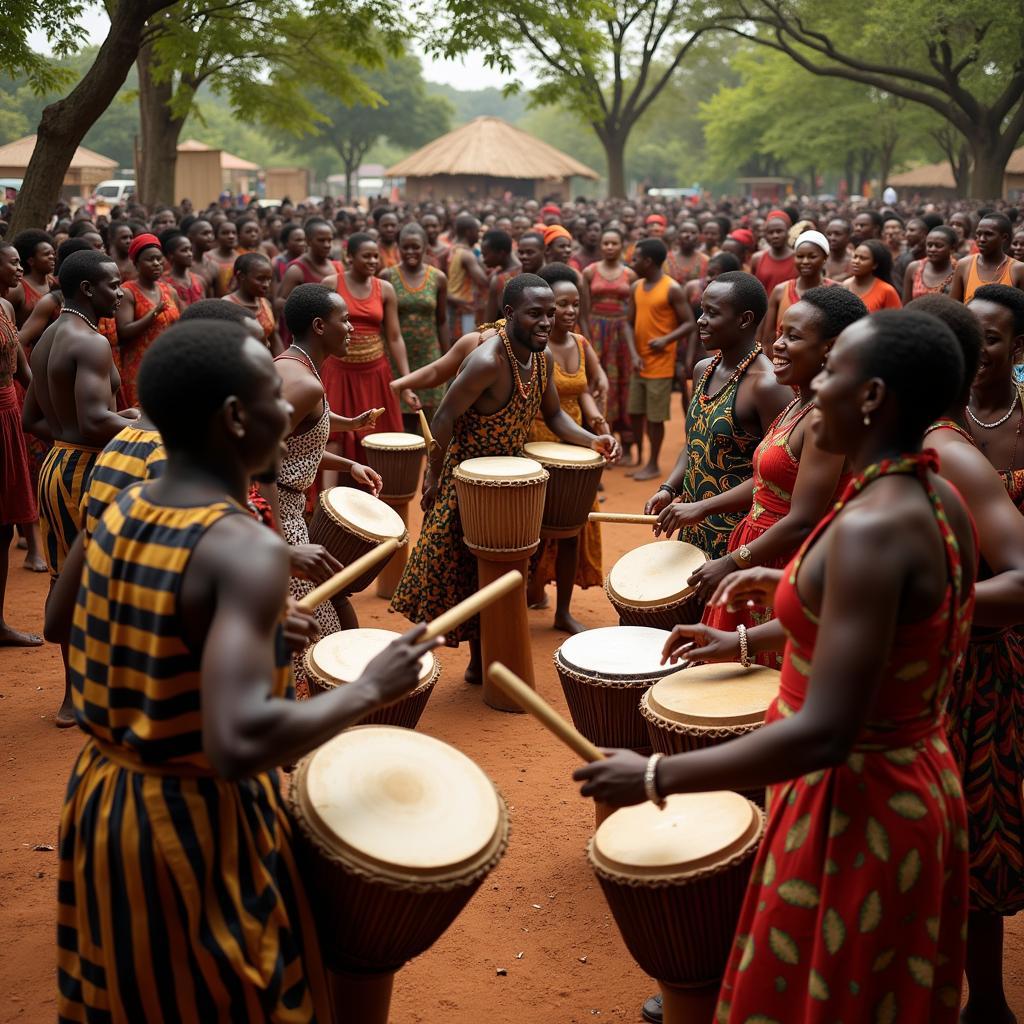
{"type": "Point", "coordinates": [63, 478]}
{"type": "Point", "coordinates": [132, 455]}
{"type": "Point", "coordinates": [179, 898]}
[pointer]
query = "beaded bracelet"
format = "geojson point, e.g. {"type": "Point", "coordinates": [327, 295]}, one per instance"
{"type": "Point", "coordinates": [666, 486]}
{"type": "Point", "coordinates": [651, 781]}
{"type": "Point", "coordinates": [741, 631]}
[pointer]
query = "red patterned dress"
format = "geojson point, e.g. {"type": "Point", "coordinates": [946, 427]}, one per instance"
{"type": "Point", "coordinates": [775, 472]}
{"type": "Point", "coordinates": [192, 291]}
{"type": "Point", "coordinates": [132, 353]}
{"type": "Point", "coordinates": [609, 300]}
{"type": "Point", "coordinates": [263, 314]}
{"type": "Point", "coordinates": [857, 906]}
{"type": "Point", "coordinates": [17, 489]}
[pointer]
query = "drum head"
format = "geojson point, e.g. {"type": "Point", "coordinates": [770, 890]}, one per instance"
{"type": "Point", "coordinates": [550, 453]}
{"type": "Point", "coordinates": [617, 652]}
{"type": "Point", "coordinates": [715, 695]}
{"type": "Point", "coordinates": [342, 656]}
{"type": "Point", "coordinates": [499, 467]}
{"type": "Point", "coordinates": [394, 439]}
{"type": "Point", "coordinates": [655, 574]}
{"type": "Point", "coordinates": [694, 832]}
{"type": "Point", "coordinates": [367, 514]}
{"type": "Point", "coordinates": [401, 800]}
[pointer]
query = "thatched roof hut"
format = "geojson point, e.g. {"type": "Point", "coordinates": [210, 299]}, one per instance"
{"type": "Point", "coordinates": [86, 170]}
{"type": "Point", "coordinates": [488, 157]}
{"type": "Point", "coordinates": [926, 178]}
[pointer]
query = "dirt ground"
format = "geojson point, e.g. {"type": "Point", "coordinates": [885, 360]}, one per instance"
{"type": "Point", "coordinates": [540, 917]}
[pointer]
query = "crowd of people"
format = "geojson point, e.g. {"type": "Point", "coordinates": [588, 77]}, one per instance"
{"type": "Point", "coordinates": [175, 382]}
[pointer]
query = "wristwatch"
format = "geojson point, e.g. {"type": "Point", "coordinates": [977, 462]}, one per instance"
{"type": "Point", "coordinates": [742, 557]}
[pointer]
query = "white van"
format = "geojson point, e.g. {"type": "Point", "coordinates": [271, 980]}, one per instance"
{"type": "Point", "coordinates": [114, 191]}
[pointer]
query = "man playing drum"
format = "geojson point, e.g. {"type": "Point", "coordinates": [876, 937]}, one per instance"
{"type": "Point", "coordinates": [487, 411]}
{"type": "Point", "coordinates": [175, 789]}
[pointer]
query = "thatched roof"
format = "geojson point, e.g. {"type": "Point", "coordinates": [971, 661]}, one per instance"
{"type": "Point", "coordinates": [228, 161]}
{"type": "Point", "coordinates": [490, 147]}
{"type": "Point", "coordinates": [19, 152]}
{"type": "Point", "coordinates": [938, 175]}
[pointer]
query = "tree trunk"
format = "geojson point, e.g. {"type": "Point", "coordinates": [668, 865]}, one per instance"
{"type": "Point", "coordinates": [160, 132]}
{"type": "Point", "coordinates": [990, 152]}
{"type": "Point", "coordinates": [64, 123]}
{"type": "Point", "coordinates": [614, 142]}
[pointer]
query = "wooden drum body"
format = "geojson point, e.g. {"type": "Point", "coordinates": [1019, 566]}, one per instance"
{"type": "Point", "coordinates": [675, 880]}
{"type": "Point", "coordinates": [501, 501]}
{"type": "Point", "coordinates": [575, 473]}
{"type": "Point", "coordinates": [341, 657]}
{"type": "Point", "coordinates": [397, 831]}
{"type": "Point", "coordinates": [349, 523]}
{"type": "Point", "coordinates": [398, 458]}
{"type": "Point", "coordinates": [604, 673]}
{"type": "Point", "coordinates": [647, 586]}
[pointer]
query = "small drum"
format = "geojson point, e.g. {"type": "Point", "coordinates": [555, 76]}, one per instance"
{"type": "Point", "coordinates": [398, 458]}
{"type": "Point", "coordinates": [396, 831]}
{"type": "Point", "coordinates": [501, 502]}
{"type": "Point", "coordinates": [604, 673]}
{"type": "Point", "coordinates": [575, 474]}
{"type": "Point", "coordinates": [675, 880]}
{"type": "Point", "coordinates": [341, 657]}
{"type": "Point", "coordinates": [706, 705]}
{"type": "Point", "coordinates": [647, 586]}
{"type": "Point", "coordinates": [349, 523]}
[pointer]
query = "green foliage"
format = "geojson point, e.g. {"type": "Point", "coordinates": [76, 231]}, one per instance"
{"type": "Point", "coordinates": [467, 104]}
{"type": "Point", "coordinates": [58, 20]}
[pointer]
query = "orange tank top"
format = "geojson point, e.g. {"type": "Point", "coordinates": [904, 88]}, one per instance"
{"type": "Point", "coordinates": [975, 281]}
{"type": "Point", "coordinates": [655, 318]}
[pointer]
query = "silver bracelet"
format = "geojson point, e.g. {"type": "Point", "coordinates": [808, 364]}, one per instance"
{"type": "Point", "coordinates": [741, 632]}
{"type": "Point", "coordinates": [651, 781]}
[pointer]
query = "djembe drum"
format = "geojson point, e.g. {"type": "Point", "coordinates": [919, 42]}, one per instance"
{"type": "Point", "coordinates": [675, 880]}
{"type": "Point", "coordinates": [396, 831]}
{"type": "Point", "coordinates": [341, 658]}
{"type": "Point", "coordinates": [575, 473]}
{"type": "Point", "coordinates": [349, 523]}
{"type": "Point", "coordinates": [501, 502]}
{"type": "Point", "coordinates": [647, 586]}
{"type": "Point", "coordinates": [398, 458]}
{"type": "Point", "coordinates": [706, 705]}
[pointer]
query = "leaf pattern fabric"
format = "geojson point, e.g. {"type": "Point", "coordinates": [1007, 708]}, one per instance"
{"type": "Point", "coordinates": [857, 904]}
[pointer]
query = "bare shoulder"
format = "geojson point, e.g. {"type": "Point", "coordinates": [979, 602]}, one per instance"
{"type": "Point", "coordinates": [8, 309]}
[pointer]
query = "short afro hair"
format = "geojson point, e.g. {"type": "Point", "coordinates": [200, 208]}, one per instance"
{"type": "Point", "coordinates": [725, 262]}
{"type": "Point", "coordinates": [410, 229]}
{"type": "Point", "coordinates": [79, 267]}
{"type": "Point", "coordinates": [837, 308]}
{"type": "Point", "coordinates": [216, 309]}
{"type": "Point", "coordinates": [26, 242]}
{"type": "Point", "coordinates": [357, 241]}
{"type": "Point", "coordinates": [513, 293]}
{"type": "Point", "coordinates": [874, 216]}
{"type": "Point", "coordinates": [965, 327]}
{"type": "Point", "coordinates": [249, 261]}
{"type": "Point", "coordinates": [653, 249]}
{"type": "Point", "coordinates": [497, 241]}
{"type": "Point", "coordinates": [919, 360]}
{"type": "Point", "coordinates": [1004, 295]}
{"type": "Point", "coordinates": [748, 294]}
{"type": "Point", "coordinates": [555, 273]}
{"type": "Point", "coordinates": [305, 303]}
{"type": "Point", "coordinates": [1001, 221]}
{"type": "Point", "coordinates": [948, 233]}
{"type": "Point", "coordinates": [288, 230]}
{"type": "Point", "coordinates": [188, 373]}
{"type": "Point", "coordinates": [67, 247]}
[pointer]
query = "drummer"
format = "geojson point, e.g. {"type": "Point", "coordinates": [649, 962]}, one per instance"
{"type": "Point", "coordinates": [488, 411]}
{"type": "Point", "coordinates": [172, 795]}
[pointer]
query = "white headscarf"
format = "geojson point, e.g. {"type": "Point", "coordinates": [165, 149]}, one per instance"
{"type": "Point", "coordinates": [815, 238]}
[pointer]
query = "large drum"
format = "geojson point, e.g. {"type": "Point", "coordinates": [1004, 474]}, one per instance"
{"type": "Point", "coordinates": [501, 502]}
{"type": "Point", "coordinates": [341, 658]}
{"type": "Point", "coordinates": [398, 458]}
{"type": "Point", "coordinates": [396, 831]}
{"type": "Point", "coordinates": [575, 473]}
{"type": "Point", "coordinates": [675, 880]}
{"type": "Point", "coordinates": [349, 523]}
{"type": "Point", "coordinates": [647, 586]}
{"type": "Point", "coordinates": [604, 673]}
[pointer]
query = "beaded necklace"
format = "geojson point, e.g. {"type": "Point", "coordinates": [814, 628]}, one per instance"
{"type": "Point", "coordinates": [524, 389]}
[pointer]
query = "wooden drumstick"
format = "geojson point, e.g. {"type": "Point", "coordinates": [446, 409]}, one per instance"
{"type": "Point", "coordinates": [340, 580]}
{"type": "Point", "coordinates": [622, 517]}
{"type": "Point", "coordinates": [473, 604]}
{"type": "Point", "coordinates": [425, 427]}
{"type": "Point", "coordinates": [375, 414]}
{"type": "Point", "coordinates": [530, 701]}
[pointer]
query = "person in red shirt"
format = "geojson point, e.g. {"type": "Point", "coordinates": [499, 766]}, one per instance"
{"type": "Point", "coordinates": [774, 265]}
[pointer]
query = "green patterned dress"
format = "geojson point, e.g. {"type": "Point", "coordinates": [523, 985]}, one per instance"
{"type": "Point", "coordinates": [441, 570]}
{"type": "Point", "coordinates": [721, 455]}
{"type": "Point", "coordinates": [417, 315]}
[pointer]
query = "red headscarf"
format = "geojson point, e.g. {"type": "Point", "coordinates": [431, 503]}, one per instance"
{"type": "Point", "coordinates": [140, 242]}
{"type": "Point", "coordinates": [553, 231]}
{"type": "Point", "coordinates": [657, 218]}
{"type": "Point", "coordinates": [781, 215]}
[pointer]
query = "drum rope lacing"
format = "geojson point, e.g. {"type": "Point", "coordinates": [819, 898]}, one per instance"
{"type": "Point", "coordinates": [746, 852]}
{"type": "Point", "coordinates": [693, 728]}
{"type": "Point", "coordinates": [634, 682]}
{"type": "Point", "coordinates": [377, 876]}
{"type": "Point", "coordinates": [648, 609]}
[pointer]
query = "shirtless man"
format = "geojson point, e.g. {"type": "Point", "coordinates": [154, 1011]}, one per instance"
{"type": "Point", "coordinates": [71, 402]}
